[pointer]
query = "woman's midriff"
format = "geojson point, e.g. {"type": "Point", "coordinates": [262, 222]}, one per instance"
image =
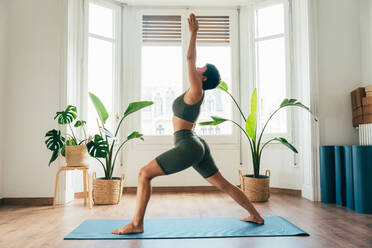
{"type": "Point", "coordinates": [179, 124]}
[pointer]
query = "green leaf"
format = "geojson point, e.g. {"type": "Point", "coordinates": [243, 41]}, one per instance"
{"type": "Point", "coordinates": [251, 123]}
{"type": "Point", "coordinates": [286, 143]}
{"type": "Point", "coordinates": [54, 157]}
{"type": "Point", "coordinates": [254, 102]}
{"type": "Point", "coordinates": [66, 116]}
{"type": "Point", "coordinates": [54, 140]}
{"type": "Point", "coordinates": [79, 123]}
{"type": "Point", "coordinates": [135, 106]}
{"type": "Point", "coordinates": [207, 123]}
{"type": "Point", "coordinates": [223, 86]}
{"type": "Point", "coordinates": [71, 142]}
{"type": "Point", "coordinates": [290, 102]}
{"type": "Point", "coordinates": [98, 147]}
{"type": "Point", "coordinates": [100, 108]}
{"type": "Point", "coordinates": [134, 135]}
{"type": "Point", "coordinates": [216, 121]}
{"type": "Point", "coordinates": [294, 102]}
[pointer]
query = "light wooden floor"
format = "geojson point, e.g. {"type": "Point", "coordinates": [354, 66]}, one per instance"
{"type": "Point", "coordinates": [328, 225]}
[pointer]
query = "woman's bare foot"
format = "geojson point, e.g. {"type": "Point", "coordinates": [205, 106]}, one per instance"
{"type": "Point", "coordinates": [129, 228]}
{"type": "Point", "coordinates": [254, 219]}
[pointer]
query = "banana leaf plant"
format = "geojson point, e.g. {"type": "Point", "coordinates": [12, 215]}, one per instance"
{"type": "Point", "coordinates": [102, 145]}
{"type": "Point", "coordinates": [55, 141]}
{"type": "Point", "coordinates": [250, 126]}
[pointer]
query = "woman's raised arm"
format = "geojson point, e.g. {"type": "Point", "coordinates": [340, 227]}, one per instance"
{"type": "Point", "coordinates": [195, 80]}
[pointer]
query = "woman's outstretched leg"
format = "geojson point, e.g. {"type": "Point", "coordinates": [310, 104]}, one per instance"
{"type": "Point", "coordinates": [221, 183]}
{"type": "Point", "coordinates": [146, 174]}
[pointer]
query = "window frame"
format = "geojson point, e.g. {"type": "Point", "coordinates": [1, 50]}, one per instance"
{"type": "Point", "coordinates": [117, 57]}
{"type": "Point", "coordinates": [288, 53]}
{"type": "Point", "coordinates": [222, 140]}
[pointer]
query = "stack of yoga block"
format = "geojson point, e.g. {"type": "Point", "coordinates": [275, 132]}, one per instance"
{"type": "Point", "coordinates": [361, 103]}
{"type": "Point", "coordinates": [346, 177]}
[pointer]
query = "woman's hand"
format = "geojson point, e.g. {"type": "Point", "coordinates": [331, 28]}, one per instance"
{"type": "Point", "coordinates": [193, 23]}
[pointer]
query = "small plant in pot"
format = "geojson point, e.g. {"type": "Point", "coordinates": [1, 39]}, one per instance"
{"type": "Point", "coordinates": [68, 145]}
{"type": "Point", "coordinates": [256, 186]}
{"type": "Point", "coordinates": [107, 190]}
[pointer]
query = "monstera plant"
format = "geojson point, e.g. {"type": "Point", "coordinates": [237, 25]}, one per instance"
{"type": "Point", "coordinates": [102, 145]}
{"type": "Point", "coordinates": [56, 141]}
{"type": "Point", "coordinates": [250, 131]}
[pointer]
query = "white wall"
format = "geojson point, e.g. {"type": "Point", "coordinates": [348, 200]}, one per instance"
{"type": "Point", "coordinates": [366, 40]}
{"type": "Point", "coordinates": [339, 65]}
{"type": "Point", "coordinates": [35, 36]}
{"type": "Point", "coordinates": [3, 46]}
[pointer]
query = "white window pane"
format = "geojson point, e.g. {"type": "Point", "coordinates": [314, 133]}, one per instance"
{"type": "Point", "coordinates": [100, 71]}
{"type": "Point", "coordinates": [216, 102]}
{"type": "Point", "coordinates": [270, 20]}
{"type": "Point", "coordinates": [271, 77]}
{"type": "Point", "coordinates": [161, 82]}
{"type": "Point", "coordinates": [100, 20]}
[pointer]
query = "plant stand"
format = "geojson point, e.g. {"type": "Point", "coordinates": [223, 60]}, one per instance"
{"type": "Point", "coordinates": [85, 175]}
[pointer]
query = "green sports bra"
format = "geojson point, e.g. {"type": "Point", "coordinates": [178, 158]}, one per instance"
{"type": "Point", "coordinates": [188, 112]}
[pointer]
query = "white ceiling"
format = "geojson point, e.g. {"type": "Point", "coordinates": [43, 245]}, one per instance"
{"type": "Point", "coordinates": [193, 3]}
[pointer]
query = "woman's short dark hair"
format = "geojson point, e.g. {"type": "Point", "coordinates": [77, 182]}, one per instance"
{"type": "Point", "coordinates": [213, 77]}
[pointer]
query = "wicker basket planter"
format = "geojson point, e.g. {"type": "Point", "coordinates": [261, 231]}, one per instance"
{"type": "Point", "coordinates": [107, 191]}
{"type": "Point", "coordinates": [256, 189]}
{"type": "Point", "coordinates": [77, 156]}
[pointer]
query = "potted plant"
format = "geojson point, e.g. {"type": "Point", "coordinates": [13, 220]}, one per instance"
{"type": "Point", "coordinates": [73, 149]}
{"type": "Point", "coordinates": [107, 190]}
{"type": "Point", "coordinates": [256, 186]}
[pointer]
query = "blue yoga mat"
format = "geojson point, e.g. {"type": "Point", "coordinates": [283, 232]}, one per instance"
{"type": "Point", "coordinates": [188, 228]}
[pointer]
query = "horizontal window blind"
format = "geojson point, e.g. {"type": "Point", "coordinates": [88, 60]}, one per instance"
{"type": "Point", "coordinates": [161, 28]}
{"type": "Point", "coordinates": [213, 29]}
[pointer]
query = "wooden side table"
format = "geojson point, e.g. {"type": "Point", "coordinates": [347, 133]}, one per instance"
{"type": "Point", "coordinates": [85, 175]}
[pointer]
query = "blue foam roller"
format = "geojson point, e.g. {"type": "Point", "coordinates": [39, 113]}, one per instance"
{"type": "Point", "coordinates": [327, 174]}
{"type": "Point", "coordinates": [362, 173]}
{"type": "Point", "coordinates": [349, 178]}
{"type": "Point", "coordinates": [340, 175]}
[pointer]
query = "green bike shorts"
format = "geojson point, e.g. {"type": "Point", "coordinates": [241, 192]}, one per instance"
{"type": "Point", "coordinates": [189, 150]}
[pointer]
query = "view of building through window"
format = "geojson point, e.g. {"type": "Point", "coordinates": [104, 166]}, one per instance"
{"type": "Point", "coordinates": [161, 82]}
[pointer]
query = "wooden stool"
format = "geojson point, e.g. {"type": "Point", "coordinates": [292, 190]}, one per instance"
{"type": "Point", "coordinates": [85, 174]}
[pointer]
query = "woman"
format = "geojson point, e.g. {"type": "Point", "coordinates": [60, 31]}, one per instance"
{"type": "Point", "coordinates": [190, 149]}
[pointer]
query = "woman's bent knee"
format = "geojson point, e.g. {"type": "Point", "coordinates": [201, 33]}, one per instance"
{"type": "Point", "coordinates": [144, 174]}
{"type": "Point", "coordinates": [150, 171]}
